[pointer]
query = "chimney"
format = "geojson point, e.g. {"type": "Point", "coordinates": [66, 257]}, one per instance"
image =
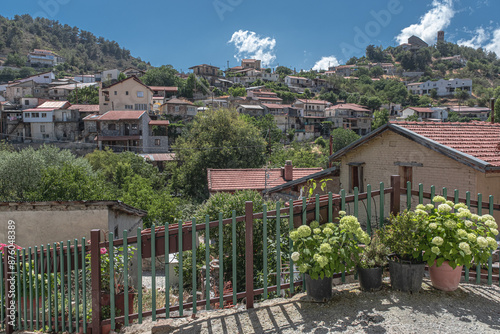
{"type": "Point", "coordinates": [288, 170]}
{"type": "Point", "coordinates": [492, 107]}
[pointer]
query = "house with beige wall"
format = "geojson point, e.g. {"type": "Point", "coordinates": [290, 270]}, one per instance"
{"type": "Point", "coordinates": [38, 223]}
{"type": "Point", "coordinates": [127, 94]}
{"type": "Point", "coordinates": [463, 156]}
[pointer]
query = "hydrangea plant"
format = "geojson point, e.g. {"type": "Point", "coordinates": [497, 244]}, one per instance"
{"type": "Point", "coordinates": [456, 235]}
{"type": "Point", "coordinates": [322, 250]}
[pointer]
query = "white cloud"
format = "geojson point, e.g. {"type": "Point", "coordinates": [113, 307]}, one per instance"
{"type": "Point", "coordinates": [494, 44]}
{"type": "Point", "coordinates": [477, 41]}
{"type": "Point", "coordinates": [250, 45]}
{"type": "Point", "coordinates": [437, 18]}
{"type": "Point", "coordinates": [325, 62]}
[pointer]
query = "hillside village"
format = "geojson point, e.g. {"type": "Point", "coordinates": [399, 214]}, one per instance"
{"type": "Point", "coordinates": [304, 105]}
{"type": "Point", "coordinates": [193, 181]}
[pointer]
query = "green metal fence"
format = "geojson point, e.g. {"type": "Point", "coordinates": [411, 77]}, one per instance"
{"type": "Point", "coordinates": [59, 287]}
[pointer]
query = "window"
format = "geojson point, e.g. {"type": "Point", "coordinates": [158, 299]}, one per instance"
{"type": "Point", "coordinates": [44, 114]}
{"type": "Point", "coordinates": [116, 93]}
{"type": "Point", "coordinates": [134, 126]}
{"type": "Point", "coordinates": [356, 176]}
{"type": "Point", "coordinates": [140, 94]}
{"type": "Point", "coordinates": [126, 93]}
{"type": "Point", "coordinates": [141, 106]}
{"type": "Point", "coordinates": [45, 136]}
{"type": "Point", "coordinates": [157, 142]}
{"type": "Point", "coordinates": [406, 173]}
{"type": "Point", "coordinates": [55, 91]}
{"type": "Point", "coordinates": [176, 108]}
{"type": "Point", "coordinates": [26, 102]}
{"type": "Point", "coordinates": [111, 126]}
{"type": "Point", "coordinates": [129, 107]}
{"type": "Point", "coordinates": [35, 114]}
{"type": "Point", "coordinates": [42, 128]}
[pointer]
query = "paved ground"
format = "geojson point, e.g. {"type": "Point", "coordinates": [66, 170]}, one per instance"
{"type": "Point", "coordinates": [470, 309]}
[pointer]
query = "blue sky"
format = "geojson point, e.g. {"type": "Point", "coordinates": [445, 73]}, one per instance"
{"type": "Point", "coordinates": [297, 34]}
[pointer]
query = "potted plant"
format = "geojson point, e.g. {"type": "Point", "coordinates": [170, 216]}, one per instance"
{"type": "Point", "coordinates": [118, 278]}
{"type": "Point", "coordinates": [323, 250]}
{"type": "Point", "coordinates": [454, 239]}
{"type": "Point", "coordinates": [403, 236]}
{"type": "Point", "coordinates": [371, 264]}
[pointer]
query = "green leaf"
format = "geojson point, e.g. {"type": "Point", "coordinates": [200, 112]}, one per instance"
{"type": "Point", "coordinates": [440, 261]}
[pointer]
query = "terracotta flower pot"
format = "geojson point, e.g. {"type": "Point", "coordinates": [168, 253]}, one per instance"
{"type": "Point", "coordinates": [445, 277]}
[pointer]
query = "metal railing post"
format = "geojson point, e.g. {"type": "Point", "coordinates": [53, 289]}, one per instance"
{"type": "Point", "coordinates": [249, 253]}
{"type": "Point", "coordinates": [95, 270]}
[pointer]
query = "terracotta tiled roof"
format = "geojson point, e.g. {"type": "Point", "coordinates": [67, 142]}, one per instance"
{"type": "Point", "coordinates": [427, 110]}
{"type": "Point", "coordinates": [293, 77]}
{"type": "Point", "coordinates": [117, 115]}
{"type": "Point", "coordinates": [478, 139]}
{"type": "Point", "coordinates": [85, 107]}
{"type": "Point", "coordinates": [268, 98]}
{"type": "Point", "coordinates": [241, 179]}
{"type": "Point", "coordinates": [179, 101]}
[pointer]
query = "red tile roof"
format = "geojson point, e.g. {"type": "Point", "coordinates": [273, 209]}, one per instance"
{"type": "Point", "coordinates": [117, 115]}
{"type": "Point", "coordinates": [179, 101]}
{"type": "Point", "coordinates": [241, 179]}
{"type": "Point", "coordinates": [428, 110]}
{"type": "Point", "coordinates": [268, 98]}
{"type": "Point", "coordinates": [478, 139]}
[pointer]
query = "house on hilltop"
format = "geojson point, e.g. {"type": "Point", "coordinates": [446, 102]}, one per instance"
{"type": "Point", "coordinates": [127, 94]}
{"type": "Point", "coordinates": [463, 156]}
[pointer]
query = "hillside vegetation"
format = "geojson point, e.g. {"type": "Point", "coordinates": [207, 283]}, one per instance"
{"type": "Point", "coordinates": [84, 52]}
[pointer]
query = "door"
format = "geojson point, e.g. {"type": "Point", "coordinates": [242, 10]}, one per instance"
{"type": "Point", "coordinates": [127, 129]}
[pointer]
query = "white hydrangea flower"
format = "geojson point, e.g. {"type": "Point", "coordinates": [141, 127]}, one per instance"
{"type": "Point", "coordinates": [439, 199]}
{"type": "Point", "coordinates": [433, 226]}
{"type": "Point", "coordinates": [450, 203]}
{"type": "Point", "coordinates": [468, 223]}
{"type": "Point", "coordinates": [444, 208]}
{"type": "Point", "coordinates": [420, 207]}
{"type": "Point", "coordinates": [435, 250]}
{"type": "Point", "coordinates": [429, 207]}
{"type": "Point", "coordinates": [295, 256]}
{"type": "Point", "coordinates": [494, 231]}
{"type": "Point", "coordinates": [438, 241]}
{"type": "Point", "coordinates": [482, 242]}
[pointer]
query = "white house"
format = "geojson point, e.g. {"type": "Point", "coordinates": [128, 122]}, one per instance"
{"type": "Point", "coordinates": [428, 114]}
{"type": "Point", "coordinates": [40, 78]}
{"type": "Point", "coordinates": [442, 87]}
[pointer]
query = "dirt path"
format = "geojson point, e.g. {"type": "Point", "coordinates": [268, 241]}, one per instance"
{"type": "Point", "coordinates": [470, 309]}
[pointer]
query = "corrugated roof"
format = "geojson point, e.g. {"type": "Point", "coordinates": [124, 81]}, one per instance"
{"type": "Point", "coordinates": [424, 110]}
{"type": "Point", "coordinates": [164, 88]}
{"type": "Point", "coordinates": [38, 109]}
{"type": "Point", "coordinates": [241, 179]}
{"type": "Point", "coordinates": [251, 106]}
{"type": "Point", "coordinates": [85, 107]}
{"type": "Point", "coordinates": [159, 156]}
{"type": "Point", "coordinates": [349, 106]}
{"type": "Point", "coordinates": [116, 115]}
{"type": "Point", "coordinates": [179, 101]}
{"type": "Point", "coordinates": [55, 105]}
{"type": "Point", "coordinates": [159, 122]}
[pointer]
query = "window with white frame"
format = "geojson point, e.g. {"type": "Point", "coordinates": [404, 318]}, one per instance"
{"type": "Point", "coordinates": [157, 142]}
{"type": "Point", "coordinates": [42, 128]}
{"type": "Point", "coordinates": [140, 94]}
